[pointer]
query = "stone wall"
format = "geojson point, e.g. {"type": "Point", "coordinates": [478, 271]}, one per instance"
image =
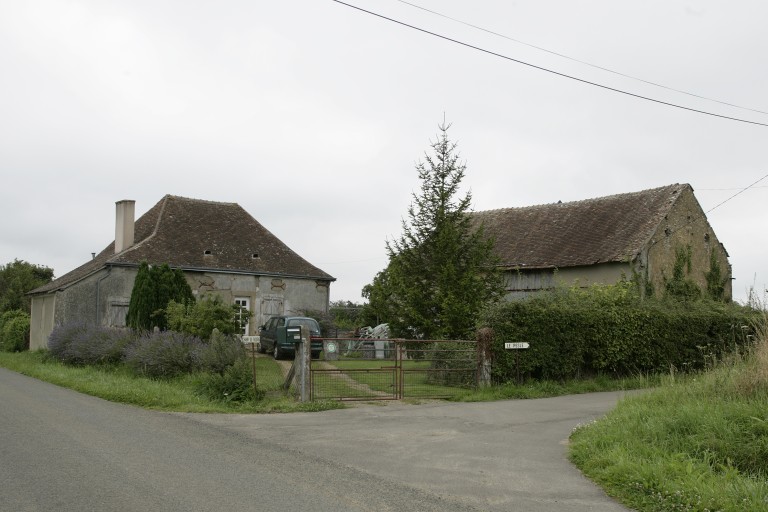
{"type": "Point", "coordinates": [685, 225]}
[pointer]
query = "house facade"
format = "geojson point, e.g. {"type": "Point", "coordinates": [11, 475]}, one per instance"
{"type": "Point", "coordinates": [221, 248]}
{"type": "Point", "coordinates": [638, 235]}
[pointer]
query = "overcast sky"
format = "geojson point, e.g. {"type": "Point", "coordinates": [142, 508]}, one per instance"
{"type": "Point", "coordinates": [312, 115]}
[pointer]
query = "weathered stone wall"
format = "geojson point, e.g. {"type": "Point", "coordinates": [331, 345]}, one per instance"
{"type": "Point", "coordinates": [103, 298]}
{"type": "Point", "coordinates": [268, 296]}
{"type": "Point", "coordinates": [520, 284]}
{"type": "Point", "coordinates": [685, 225]}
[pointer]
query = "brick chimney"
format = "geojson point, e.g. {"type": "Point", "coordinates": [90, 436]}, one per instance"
{"type": "Point", "coordinates": [124, 220]}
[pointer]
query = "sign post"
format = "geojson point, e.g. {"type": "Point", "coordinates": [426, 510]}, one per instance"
{"type": "Point", "coordinates": [517, 347]}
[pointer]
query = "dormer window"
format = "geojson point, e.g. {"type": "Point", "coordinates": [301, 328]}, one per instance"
{"type": "Point", "coordinates": [207, 252]}
{"type": "Point", "coordinates": [255, 256]}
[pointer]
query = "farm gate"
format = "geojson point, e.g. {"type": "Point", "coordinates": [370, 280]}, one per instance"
{"type": "Point", "coordinates": [393, 369]}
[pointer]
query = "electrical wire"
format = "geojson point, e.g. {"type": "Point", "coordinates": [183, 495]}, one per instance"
{"type": "Point", "coordinates": [489, 52]}
{"type": "Point", "coordinates": [737, 193]}
{"type": "Point", "coordinates": [655, 84]}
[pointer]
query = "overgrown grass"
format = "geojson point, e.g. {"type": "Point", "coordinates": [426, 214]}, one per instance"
{"type": "Point", "coordinates": [547, 388]}
{"type": "Point", "coordinates": [699, 442]}
{"type": "Point", "coordinates": [118, 384]}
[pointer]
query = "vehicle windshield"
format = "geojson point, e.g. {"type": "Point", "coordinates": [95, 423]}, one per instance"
{"type": "Point", "coordinates": [309, 322]}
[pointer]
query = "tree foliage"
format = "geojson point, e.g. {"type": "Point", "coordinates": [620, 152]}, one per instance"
{"type": "Point", "coordinates": [200, 318]}
{"type": "Point", "coordinates": [14, 330]}
{"type": "Point", "coordinates": [16, 280]}
{"type": "Point", "coordinates": [442, 271]}
{"type": "Point", "coordinates": [153, 288]}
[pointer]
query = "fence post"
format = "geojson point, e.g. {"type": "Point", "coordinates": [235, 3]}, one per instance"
{"type": "Point", "coordinates": [484, 339]}
{"type": "Point", "coordinates": [305, 360]}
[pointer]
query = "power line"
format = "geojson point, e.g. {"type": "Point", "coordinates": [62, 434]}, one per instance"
{"type": "Point", "coordinates": [655, 84]}
{"type": "Point", "coordinates": [703, 216]}
{"type": "Point", "coordinates": [489, 52]}
{"type": "Point", "coordinates": [737, 193]}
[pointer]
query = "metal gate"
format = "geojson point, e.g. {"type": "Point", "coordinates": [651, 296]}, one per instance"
{"type": "Point", "coordinates": [393, 369]}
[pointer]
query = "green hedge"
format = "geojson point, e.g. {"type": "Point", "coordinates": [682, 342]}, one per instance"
{"type": "Point", "coordinates": [575, 333]}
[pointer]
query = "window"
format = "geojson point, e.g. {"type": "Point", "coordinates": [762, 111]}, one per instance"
{"type": "Point", "coordinates": [245, 303]}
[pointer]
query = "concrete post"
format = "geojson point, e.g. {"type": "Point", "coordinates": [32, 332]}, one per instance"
{"type": "Point", "coordinates": [304, 360]}
{"type": "Point", "coordinates": [484, 340]}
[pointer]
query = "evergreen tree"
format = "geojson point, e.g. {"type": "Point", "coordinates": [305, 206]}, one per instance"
{"type": "Point", "coordinates": [142, 300]}
{"type": "Point", "coordinates": [441, 270]}
{"type": "Point", "coordinates": [153, 288]}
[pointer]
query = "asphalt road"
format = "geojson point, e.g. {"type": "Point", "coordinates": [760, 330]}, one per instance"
{"type": "Point", "coordinates": [63, 451]}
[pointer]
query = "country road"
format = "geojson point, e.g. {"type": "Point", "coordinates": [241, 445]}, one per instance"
{"type": "Point", "coordinates": [64, 451]}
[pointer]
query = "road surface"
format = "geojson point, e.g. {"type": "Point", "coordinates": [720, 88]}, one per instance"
{"type": "Point", "coordinates": [64, 451]}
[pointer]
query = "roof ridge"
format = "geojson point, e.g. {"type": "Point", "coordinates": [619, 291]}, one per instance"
{"type": "Point", "coordinates": [584, 201]}
{"type": "Point", "coordinates": [206, 201]}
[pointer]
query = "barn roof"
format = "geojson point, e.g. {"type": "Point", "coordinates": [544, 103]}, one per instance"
{"type": "Point", "coordinates": [193, 234]}
{"type": "Point", "coordinates": [604, 229]}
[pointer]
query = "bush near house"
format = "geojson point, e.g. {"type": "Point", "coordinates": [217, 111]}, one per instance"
{"type": "Point", "coordinates": [164, 354]}
{"type": "Point", "coordinates": [14, 331]}
{"type": "Point", "coordinates": [609, 329]}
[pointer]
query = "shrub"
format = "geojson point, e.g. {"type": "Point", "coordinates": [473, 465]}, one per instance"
{"type": "Point", "coordinates": [235, 384]}
{"type": "Point", "coordinates": [220, 353]}
{"type": "Point", "coordinates": [78, 344]}
{"type": "Point", "coordinates": [61, 338]}
{"type": "Point", "coordinates": [200, 318]}
{"type": "Point", "coordinates": [14, 331]}
{"type": "Point", "coordinates": [164, 354]}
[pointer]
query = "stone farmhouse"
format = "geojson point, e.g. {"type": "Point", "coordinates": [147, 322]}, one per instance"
{"type": "Point", "coordinates": [604, 240]}
{"type": "Point", "coordinates": [221, 249]}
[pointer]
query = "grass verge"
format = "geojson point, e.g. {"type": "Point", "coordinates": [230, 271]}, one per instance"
{"type": "Point", "coordinates": [697, 443]}
{"type": "Point", "coordinates": [118, 384]}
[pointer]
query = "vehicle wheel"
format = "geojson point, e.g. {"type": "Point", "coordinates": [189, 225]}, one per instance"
{"type": "Point", "coordinates": [278, 354]}
{"type": "Point", "coordinates": [260, 348]}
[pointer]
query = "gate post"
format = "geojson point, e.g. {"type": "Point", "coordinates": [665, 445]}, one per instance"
{"type": "Point", "coordinates": [304, 360]}
{"type": "Point", "coordinates": [484, 339]}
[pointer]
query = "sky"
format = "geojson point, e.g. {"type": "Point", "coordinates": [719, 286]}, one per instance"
{"type": "Point", "coordinates": [312, 115]}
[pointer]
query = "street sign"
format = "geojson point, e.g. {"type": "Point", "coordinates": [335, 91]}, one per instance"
{"type": "Point", "coordinates": [518, 345]}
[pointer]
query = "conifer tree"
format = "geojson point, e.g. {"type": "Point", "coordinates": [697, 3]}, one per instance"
{"type": "Point", "coordinates": [442, 271]}
{"type": "Point", "coordinates": [153, 288]}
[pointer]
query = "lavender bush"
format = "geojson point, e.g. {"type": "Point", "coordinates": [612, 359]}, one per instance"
{"type": "Point", "coordinates": [78, 343]}
{"type": "Point", "coordinates": [165, 354]}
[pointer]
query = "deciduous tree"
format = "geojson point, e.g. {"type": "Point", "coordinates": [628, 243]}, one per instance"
{"type": "Point", "coordinates": [18, 278]}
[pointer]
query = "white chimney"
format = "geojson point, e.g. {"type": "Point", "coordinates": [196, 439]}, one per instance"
{"type": "Point", "coordinates": [124, 224]}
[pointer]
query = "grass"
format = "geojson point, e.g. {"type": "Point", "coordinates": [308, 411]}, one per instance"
{"type": "Point", "coordinates": [118, 384]}
{"type": "Point", "coordinates": [417, 384]}
{"type": "Point", "coordinates": [699, 442]}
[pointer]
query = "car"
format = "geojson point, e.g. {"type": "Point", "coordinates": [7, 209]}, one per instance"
{"type": "Point", "coordinates": [273, 336]}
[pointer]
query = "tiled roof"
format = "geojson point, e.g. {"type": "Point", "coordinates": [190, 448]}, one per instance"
{"type": "Point", "coordinates": [605, 229]}
{"type": "Point", "coordinates": [200, 235]}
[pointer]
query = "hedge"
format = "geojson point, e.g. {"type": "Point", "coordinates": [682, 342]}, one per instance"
{"type": "Point", "coordinates": [610, 329]}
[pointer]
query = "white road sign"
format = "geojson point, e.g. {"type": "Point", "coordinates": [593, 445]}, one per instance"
{"type": "Point", "coordinates": [518, 345]}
